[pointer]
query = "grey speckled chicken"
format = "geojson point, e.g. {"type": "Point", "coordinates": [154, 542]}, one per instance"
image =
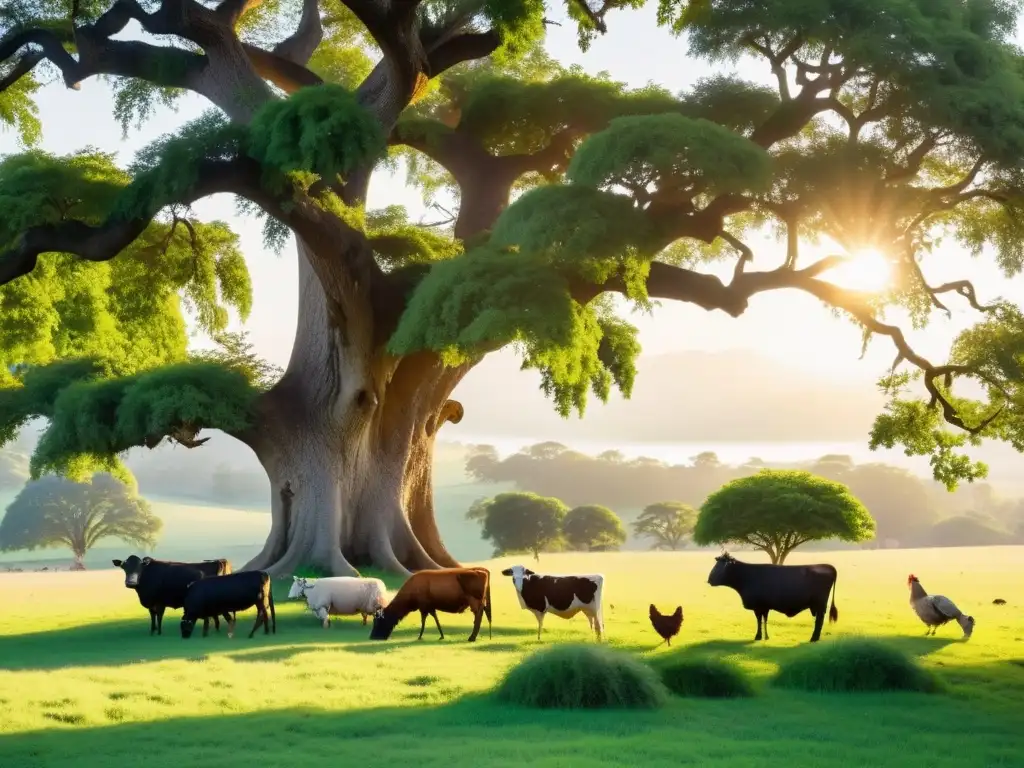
{"type": "Point", "coordinates": [936, 610]}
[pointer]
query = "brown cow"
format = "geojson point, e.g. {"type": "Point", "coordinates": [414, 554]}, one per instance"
{"type": "Point", "coordinates": [451, 590]}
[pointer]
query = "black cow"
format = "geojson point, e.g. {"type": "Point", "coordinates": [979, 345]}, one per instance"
{"type": "Point", "coordinates": [162, 584]}
{"type": "Point", "coordinates": [788, 589]}
{"type": "Point", "coordinates": [228, 594]}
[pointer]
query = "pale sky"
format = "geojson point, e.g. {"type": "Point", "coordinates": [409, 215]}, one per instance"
{"type": "Point", "coordinates": [789, 326]}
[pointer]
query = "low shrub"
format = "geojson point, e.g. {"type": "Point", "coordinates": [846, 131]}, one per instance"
{"type": "Point", "coordinates": [577, 676]}
{"type": "Point", "coordinates": [705, 677]}
{"type": "Point", "coordinates": [854, 665]}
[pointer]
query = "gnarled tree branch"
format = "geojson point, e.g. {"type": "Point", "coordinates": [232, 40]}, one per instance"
{"type": "Point", "coordinates": [299, 46]}
{"type": "Point", "coordinates": [105, 241]}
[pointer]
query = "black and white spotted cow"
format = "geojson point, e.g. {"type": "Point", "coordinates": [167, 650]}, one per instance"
{"type": "Point", "coordinates": [563, 596]}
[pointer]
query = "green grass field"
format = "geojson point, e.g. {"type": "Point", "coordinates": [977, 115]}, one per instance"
{"type": "Point", "coordinates": [83, 684]}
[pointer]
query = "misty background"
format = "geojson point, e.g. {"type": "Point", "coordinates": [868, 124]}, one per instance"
{"type": "Point", "coordinates": [696, 420]}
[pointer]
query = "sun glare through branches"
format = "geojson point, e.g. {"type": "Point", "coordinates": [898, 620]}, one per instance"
{"type": "Point", "coordinates": [866, 270]}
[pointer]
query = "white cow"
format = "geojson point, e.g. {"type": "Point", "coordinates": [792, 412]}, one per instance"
{"type": "Point", "coordinates": [339, 596]}
{"type": "Point", "coordinates": [563, 596]}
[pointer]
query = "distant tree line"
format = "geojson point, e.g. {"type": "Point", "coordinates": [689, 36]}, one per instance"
{"type": "Point", "coordinates": [908, 510]}
{"type": "Point", "coordinates": [774, 511]}
{"type": "Point", "coordinates": [526, 522]}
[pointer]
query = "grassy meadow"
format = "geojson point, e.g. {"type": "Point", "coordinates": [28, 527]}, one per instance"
{"type": "Point", "coordinates": [82, 683]}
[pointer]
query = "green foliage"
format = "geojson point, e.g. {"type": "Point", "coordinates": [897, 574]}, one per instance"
{"type": "Point", "coordinates": [168, 168]}
{"type": "Point", "coordinates": [576, 676]}
{"type": "Point", "coordinates": [992, 353]}
{"type": "Point", "coordinates": [703, 677]}
{"type": "Point", "coordinates": [518, 522]}
{"type": "Point", "coordinates": [93, 421]}
{"type": "Point", "coordinates": [54, 511]}
{"type": "Point", "coordinates": [136, 101]}
{"type": "Point", "coordinates": [37, 188]}
{"type": "Point", "coordinates": [128, 312]}
{"type": "Point", "coordinates": [728, 101]}
{"type": "Point", "coordinates": [488, 299]}
{"type": "Point", "coordinates": [519, 23]}
{"type": "Point", "coordinates": [850, 665]}
{"type": "Point", "coordinates": [509, 115]}
{"type": "Point", "coordinates": [669, 151]}
{"type": "Point", "coordinates": [397, 242]}
{"type": "Point", "coordinates": [18, 111]}
{"type": "Point", "coordinates": [579, 231]}
{"type": "Point", "coordinates": [593, 528]}
{"type": "Point", "coordinates": [778, 510]}
{"type": "Point", "coordinates": [320, 129]}
{"type": "Point", "coordinates": [667, 523]}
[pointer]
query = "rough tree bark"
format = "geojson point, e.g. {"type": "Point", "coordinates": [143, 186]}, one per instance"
{"type": "Point", "coordinates": [347, 441]}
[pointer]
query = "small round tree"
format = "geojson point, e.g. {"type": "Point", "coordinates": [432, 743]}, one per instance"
{"type": "Point", "coordinates": [778, 510]}
{"type": "Point", "coordinates": [668, 523]}
{"type": "Point", "coordinates": [592, 528]}
{"type": "Point", "coordinates": [54, 511]}
{"type": "Point", "coordinates": [521, 522]}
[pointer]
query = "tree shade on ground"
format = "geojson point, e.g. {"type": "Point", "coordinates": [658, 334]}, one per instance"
{"type": "Point", "coordinates": [892, 123]}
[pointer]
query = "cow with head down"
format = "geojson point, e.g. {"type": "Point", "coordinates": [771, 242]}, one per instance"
{"type": "Point", "coordinates": [562, 596]}
{"type": "Point", "coordinates": [449, 590]}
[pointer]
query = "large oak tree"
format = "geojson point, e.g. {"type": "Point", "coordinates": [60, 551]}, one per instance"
{"type": "Point", "coordinates": [893, 122]}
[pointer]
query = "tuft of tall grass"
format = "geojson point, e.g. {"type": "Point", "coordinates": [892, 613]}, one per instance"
{"type": "Point", "coordinates": [705, 677]}
{"type": "Point", "coordinates": [854, 665]}
{"type": "Point", "coordinates": [579, 676]}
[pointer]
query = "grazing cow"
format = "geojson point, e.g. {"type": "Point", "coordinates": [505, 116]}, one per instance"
{"type": "Point", "coordinates": [563, 596]}
{"type": "Point", "coordinates": [229, 594]}
{"type": "Point", "coordinates": [161, 584]}
{"type": "Point", "coordinates": [451, 590]}
{"type": "Point", "coordinates": [788, 589]}
{"type": "Point", "coordinates": [339, 596]}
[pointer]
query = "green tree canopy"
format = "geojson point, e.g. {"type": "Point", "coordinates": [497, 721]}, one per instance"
{"type": "Point", "coordinates": [593, 528]}
{"type": "Point", "coordinates": [890, 125]}
{"type": "Point", "coordinates": [54, 511]}
{"type": "Point", "coordinates": [778, 510]}
{"type": "Point", "coordinates": [667, 523]}
{"type": "Point", "coordinates": [520, 522]}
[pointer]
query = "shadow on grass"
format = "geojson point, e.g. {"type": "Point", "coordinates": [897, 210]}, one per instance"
{"type": "Point", "coordinates": [765, 651]}
{"type": "Point", "coordinates": [406, 638]}
{"type": "Point", "coordinates": [487, 734]}
{"type": "Point", "coordinates": [126, 641]}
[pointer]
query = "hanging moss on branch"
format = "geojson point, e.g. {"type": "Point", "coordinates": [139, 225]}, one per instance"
{"type": "Point", "coordinates": [106, 417]}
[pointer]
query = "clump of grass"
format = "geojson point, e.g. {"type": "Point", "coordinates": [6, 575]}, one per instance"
{"type": "Point", "coordinates": [577, 676]}
{"type": "Point", "coordinates": [854, 665]}
{"type": "Point", "coordinates": [705, 677]}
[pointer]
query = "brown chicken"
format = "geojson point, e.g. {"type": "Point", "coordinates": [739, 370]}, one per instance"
{"type": "Point", "coordinates": [667, 626]}
{"type": "Point", "coordinates": [936, 610]}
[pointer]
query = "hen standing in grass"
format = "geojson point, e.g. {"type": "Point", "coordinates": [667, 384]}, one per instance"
{"type": "Point", "coordinates": [667, 626]}
{"type": "Point", "coordinates": [936, 610]}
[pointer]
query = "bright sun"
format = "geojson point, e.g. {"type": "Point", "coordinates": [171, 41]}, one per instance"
{"type": "Point", "coordinates": [867, 270]}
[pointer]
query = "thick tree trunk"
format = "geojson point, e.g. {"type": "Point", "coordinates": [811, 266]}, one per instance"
{"type": "Point", "coordinates": [347, 440]}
